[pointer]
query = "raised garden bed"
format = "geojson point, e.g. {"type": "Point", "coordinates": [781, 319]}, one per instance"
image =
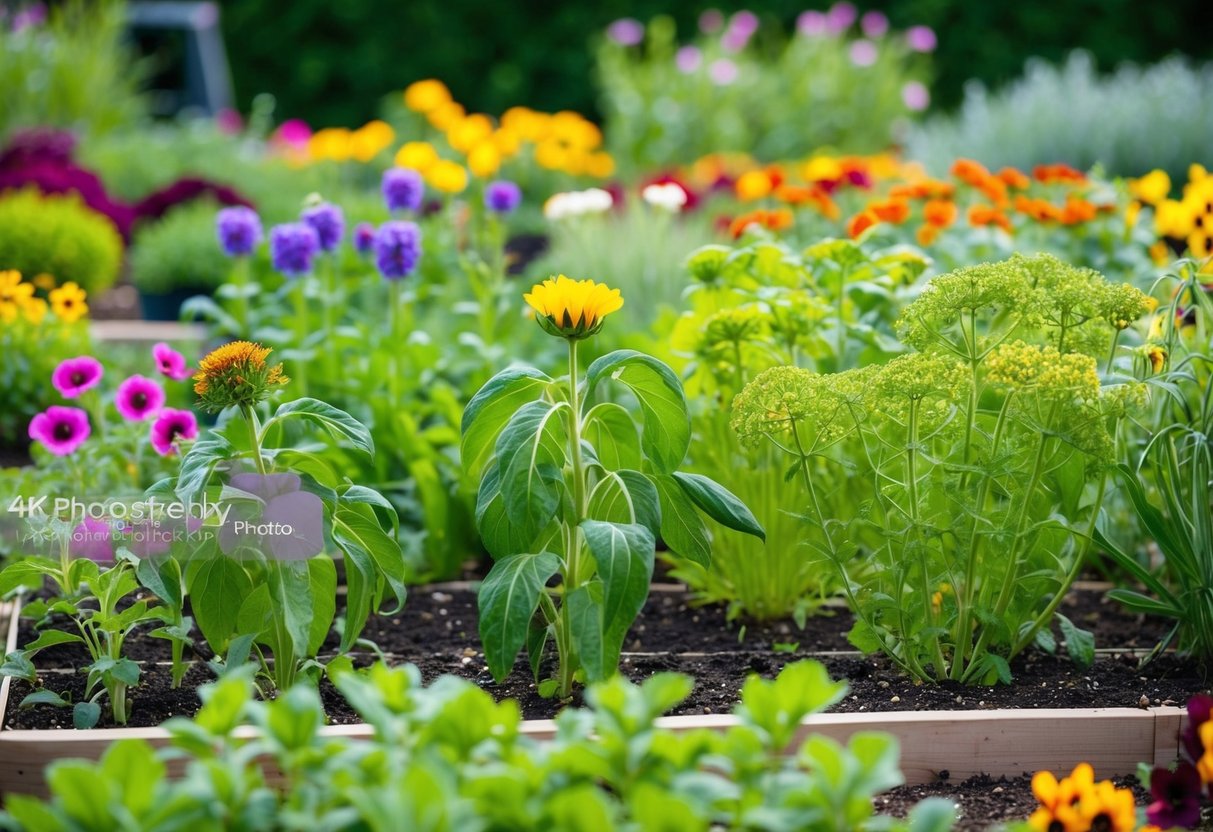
{"type": "Point", "coordinates": [1113, 715]}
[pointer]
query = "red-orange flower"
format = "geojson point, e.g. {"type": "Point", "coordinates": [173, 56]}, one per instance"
{"type": "Point", "coordinates": [860, 223]}
{"type": "Point", "coordinates": [1077, 210]}
{"type": "Point", "coordinates": [777, 220]}
{"type": "Point", "coordinates": [894, 211]}
{"type": "Point", "coordinates": [1040, 210]}
{"type": "Point", "coordinates": [970, 172]}
{"type": "Point", "coordinates": [939, 213]}
{"type": "Point", "coordinates": [988, 215]}
{"type": "Point", "coordinates": [926, 234]}
{"type": "Point", "coordinates": [1059, 172]}
{"type": "Point", "coordinates": [1014, 178]}
{"type": "Point", "coordinates": [808, 195]}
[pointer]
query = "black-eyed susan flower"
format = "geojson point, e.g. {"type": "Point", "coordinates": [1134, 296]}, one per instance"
{"type": "Point", "coordinates": [236, 375]}
{"type": "Point", "coordinates": [68, 302]}
{"type": "Point", "coordinates": [1107, 809]}
{"type": "Point", "coordinates": [572, 309]}
{"type": "Point", "coordinates": [1059, 800]}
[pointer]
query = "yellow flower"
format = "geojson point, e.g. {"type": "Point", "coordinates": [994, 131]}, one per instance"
{"type": "Point", "coordinates": [236, 375]}
{"type": "Point", "coordinates": [600, 165]}
{"type": "Point", "coordinates": [468, 132]}
{"type": "Point", "coordinates": [447, 176]}
{"type": "Point", "coordinates": [1108, 809]}
{"type": "Point", "coordinates": [572, 308]}
{"type": "Point", "coordinates": [551, 155]}
{"type": "Point", "coordinates": [507, 141]}
{"type": "Point", "coordinates": [444, 116]}
{"type": "Point", "coordinates": [1205, 764]}
{"type": "Point", "coordinates": [1132, 212]}
{"type": "Point", "coordinates": [35, 310]}
{"type": "Point", "coordinates": [330, 144]}
{"type": "Point", "coordinates": [1160, 253]}
{"type": "Point", "coordinates": [426, 96]}
{"type": "Point", "coordinates": [1172, 219]}
{"type": "Point", "coordinates": [1156, 354]}
{"type": "Point", "coordinates": [68, 302]}
{"type": "Point", "coordinates": [370, 139]}
{"type": "Point", "coordinates": [821, 168]}
{"type": "Point", "coordinates": [1200, 242]}
{"type": "Point", "coordinates": [1151, 188]}
{"type": "Point", "coordinates": [484, 160]}
{"type": "Point", "coordinates": [13, 295]}
{"type": "Point", "coordinates": [418, 156]}
{"type": "Point", "coordinates": [44, 281]}
{"type": "Point", "coordinates": [1059, 801]}
{"type": "Point", "coordinates": [754, 184]}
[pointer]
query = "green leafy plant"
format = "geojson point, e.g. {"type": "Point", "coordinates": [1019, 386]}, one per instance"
{"type": "Point", "coordinates": [985, 458]}
{"type": "Point", "coordinates": [570, 487]}
{"type": "Point", "coordinates": [447, 756]}
{"type": "Point", "coordinates": [179, 252]}
{"type": "Point", "coordinates": [33, 228]}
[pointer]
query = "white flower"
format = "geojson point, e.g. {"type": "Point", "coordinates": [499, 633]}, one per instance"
{"type": "Point", "coordinates": [576, 203]}
{"type": "Point", "coordinates": [669, 197]}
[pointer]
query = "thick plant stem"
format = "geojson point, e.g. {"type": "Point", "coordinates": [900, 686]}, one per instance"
{"type": "Point", "coordinates": [301, 318]}
{"type": "Point", "coordinates": [572, 576]}
{"type": "Point", "coordinates": [912, 496]}
{"type": "Point", "coordinates": [254, 430]}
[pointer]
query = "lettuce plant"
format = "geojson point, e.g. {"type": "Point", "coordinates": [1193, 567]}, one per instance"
{"type": "Point", "coordinates": [570, 487]}
{"type": "Point", "coordinates": [985, 457]}
{"type": "Point", "coordinates": [448, 757]}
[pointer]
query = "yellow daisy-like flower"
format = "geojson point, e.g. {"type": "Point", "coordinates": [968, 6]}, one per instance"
{"type": "Point", "coordinates": [236, 375]}
{"type": "Point", "coordinates": [445, 116]}
{"type": "Point", "coordinates": [68, 302]}
{"type": "Point", "coordinates": [333, 144]}
{"type": "Point", "coordinates": [35, 310]}
{"type": "Point", "coordinates": [484, 160]}
{"type": "Point", "coordinates": [1151, 188]}
{"type": "Point", "coordinates": [467, 133]}
{"type": "Point", "coordinates": [600, 165]}
{"type": "Point", "coordinates": [44, 282]}
{"type": "Point", "coordinates": [447, 176]}
{"type": "Point", "coordinates": [752, 185]}
{"type": "Point", "coordinates": [369, 140]}
{"type": "Point", "coordinates": [426, 96]}
{"type": "Point", "coordinates": [418, 156]}
{"type": "Point", "coordinates": [572, 308]}
{"type": "Point", "coordinates": [14, 294]}
{"type": "Point", "coordinates": [1108, 809]}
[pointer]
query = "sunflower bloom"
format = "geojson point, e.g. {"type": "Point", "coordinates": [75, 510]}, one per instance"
{"type": "Point", "coordinates": [236, 375]}
{"type": "Point", "coordinates": [67, 302]}
{"type": "Point", "coordinates": [572, 309]}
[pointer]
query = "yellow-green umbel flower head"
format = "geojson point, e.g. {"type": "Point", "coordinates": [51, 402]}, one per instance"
{"type": "Point", "coordinates": [572, 309]}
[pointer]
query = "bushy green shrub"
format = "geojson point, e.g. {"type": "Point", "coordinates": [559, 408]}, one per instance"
{"type": "Point", "coordinates": [180, 251]}
{"type": "Point", "coordinates": [59, 236]}
{"type": "Point", "coordinates": [1130, 122]}
{"type": "Point", "coordinates": [72, 72]}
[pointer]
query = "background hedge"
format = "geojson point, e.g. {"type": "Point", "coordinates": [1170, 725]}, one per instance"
{"type": "Point", "coordinates": [328, 62]}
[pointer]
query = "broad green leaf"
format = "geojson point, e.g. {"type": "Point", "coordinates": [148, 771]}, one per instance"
{"type": "Point", "coordinates": [162, 576]}
{"type": "Point", "coordinates": [720, 504]}
{"type": "Point", "coordinates": [491, 408]}
{"type": "Point", "coordinates": [84, 796]}
{"type": "Point", "coordinates": [530, 459]}
{"type": "Point", "coordinates": [198, 464]}
{"type": "Point", "coordinates": [625, 497]}
{"type": "Point", "coordinates": [624, 555]}
{"type": "Point", "coordinates": [588, 631]}
{"type": "Point", "coordinates": [500, 536]}
{"type": "Point", "coordinates": [44, 697]}
{"type": "Point", "coordinates": [291, 592]}
{"type": "Point", "coordinates": [24, 573]}
{"type": "Point", "coordinates": [934, 814]}
{"type": "Point", "coordinates": [778, 705]}
{"type": "Point", "coordinates": [133, 767]}
{"type": "Point", "coordinates": [85, 715]}
{"type": "Point", "coordinates": [508, 598]}
{"type": "Point", "coordinates": [49, 638]}
{"type": "Point", "coordinates": [609, 428]}
{"type": "Point", "coordinates": [1080, 643]}
{"type": "Point", "coordinates": [334, 421]}
{"type": "Point", "coordinates": [365, 542]}
{"type": "Point", "coordinates": [682, 529]}
{"type": "Point", "coordinates": [667, 423]}
{"type": "Point", "coordinates": [322, 573]}
{"type": "Point", "coordinates": [217, 587]}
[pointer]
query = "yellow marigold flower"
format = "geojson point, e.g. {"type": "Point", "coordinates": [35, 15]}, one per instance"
{"type": "Point", "coordinates": [1151, 188]}
{"type": "Point", "coordinates": [34, 310]}
{"type": "Point", "coordinates": [14, 294]}
{"type": "Point", "coordinates": [575, 161]}
{"type": "Point", "coordinates": [236, 375]}
{"type": "Point", "coordinates": [45, 282]}
{"type": "Point", "coordinates": [551, 155]}
{"type": "Point", "coordinates": [821, 168]}
{"type": "Point", "coordinates": [1108, 808]}
{"type": "Point", "coordinates": [600, 165]}
{"type": "Point", "coordinates": [369, 140]}
{"type": "Point", "coordinates": [484, 160]}
{"type": "Point", "coordinates": [444, 116]}
{"type": "Point", "coordinates": [572, 308]}
{"type": "Point", "coordinates": [426, 96]}
{"type": "Point", "coordinates": [1156, 354]}
{"type": "Point", "coordinates": [447, 176]}
{"type": "Point", "coordinates": [418, 156]}
{"type": "Point", "coordinates": [754, 184]}
{"type": "Point", "coordinates": [1197, 172]}
{"type": "Point", "coordinates": [330, 144]}
{"type": "Point", "coordinates": [507, 141]}
{"type": "Point", "coordinates": [468, 132]}
{"type": "Point", "coordinates": [68, 302]}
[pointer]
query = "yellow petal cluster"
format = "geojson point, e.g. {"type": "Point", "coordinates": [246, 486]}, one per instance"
{"type": "Point", "coordinates": [574, 308]}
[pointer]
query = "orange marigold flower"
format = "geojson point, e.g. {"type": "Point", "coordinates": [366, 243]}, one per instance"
{"type": "Point", "coordinates": [1077, 211]}
{"type": "Point", "coordinates": [939, 213]}
{"type": "Point", "coordinates": [970, 172]}
{"type": "Point", "coordinates": [1014, 178]}
{"type": "Point", "coordinates": [927, 234]}
{"type": "Point", "coordinates": [894, 211]}
{"type": "Point", "coordinates": [753, 185]}
{"type": "Point", "coordinates": [1050, 174]}
{"type": "Point", "coordinates": [860, 223]}
{"type": "Point", "coordinates": [980, 215]}
{"type": "Point", "coordinates": [777, 220]}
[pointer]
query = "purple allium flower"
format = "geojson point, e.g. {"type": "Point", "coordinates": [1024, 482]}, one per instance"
{"type": "Point", "coordinates": [921, 38]}
{"type": "Point", "coordinates": [61, 430]}
{"type": "Point", "coordinates": [874, 24]}
{"type": "Point", "coordinates": [723, 72]}
{"type": "Point", "coordinates": [397, 248]}
{"type": "Point", "coordinates": [75, 375]}
{"type": "Point", "coordinates": [169, 362]}
{"type": "Point", "coordinates": [744, 21]}
{"type": "Point", "coordinates": [328, 222]}
{"type": "Point", "coordinates": [239, 230]}
{"type": "Point", "coordinates": [292, 247]}
{"type": "Point", "coordinates": [864, 53]}
{"type": "Point", "coordinates": [916, 96]}
{"type": "Point", "coordinates": [626, 31]}
{"type": "Point", "coordinates": [812, 23]}
{"type": "Point", "coordinates": [1177, 797]}
{"type": "Point", "coordinates": [502, 196]}
{"type": "Point", "coordinates": [403, 189]}
{"type": "Point", "coordinates": [364, 238]}
{"type": "Point", "coordinates": [840, 17]}
{"type": "Point", "coordinates": [171, 425]}
{"type": "Point", "coordinates": [93, 539]}
{"type": "Point", "coordinates": [139, 398]}
{"type": "Point", "coordinates": [711, 21]}
{"type": "Point", "coordinates": [688, 59]}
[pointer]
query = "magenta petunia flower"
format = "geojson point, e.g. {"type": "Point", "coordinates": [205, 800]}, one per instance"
{"type": "Point", "coordinates": [93, 539]}
{"type": "Point", "coordinates": [1177, 797]}
{"type": "Point", "coordinates": [169, 362]}
{"type": "Point", "coordinates": [61, 430]}
{"type": "Point", "coordinates": [75, 375]}
{"type": "Point", "coordinates": [139, 398]}
{"type": "Point", "coordinates": [171, 425]}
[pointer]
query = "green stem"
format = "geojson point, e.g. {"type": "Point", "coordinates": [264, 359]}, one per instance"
{"type": "Point", "coordinates": [842, 330]}
{"type": "Point", "coordinates": [301, 332]}
{"type": "Point", "coordinates": [240, 279]}
{"type": "Point", "coordinates": [572, 576]}
{"type": "Point", "coordinates": [941, 667]}
{"type": "Point", "coordinates": [394, 345]}
{"type": "Point", "coordinates": [254, 429]}
{"type": "Point", "coordinates": [1112, 353]}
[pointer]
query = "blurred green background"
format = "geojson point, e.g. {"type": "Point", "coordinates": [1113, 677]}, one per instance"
{"type": "Point", "coordinates": [330, 62]}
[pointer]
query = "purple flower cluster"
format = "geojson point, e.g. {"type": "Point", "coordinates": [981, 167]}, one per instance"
{"type": "Point", "coordinates": [397, 249]}
{"type": "Point", "coordinates": [403, 189]}
{"type": "Point", "coordinates": [364, 238]}
{"type": "Point", "coordinates": [626, 31]}
{"type": "Point", "coordinates": [502, 196]}
{"type": "Point", "coordinates": [239, 231]}
{"type": "Point", "coordinates": [328, 222]}
{"type": "Point", "coordinates": [293, 246]}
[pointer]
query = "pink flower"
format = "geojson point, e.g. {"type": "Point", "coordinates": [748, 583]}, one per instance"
{"type": "Point", "coordinates": [292, 133]}
{"type": "Point", "coordinates": [626, 31]}
{"type": "Point", "coordinates": [139, 398]}
{"type": "Point", "coordinates": [75, 375]}
{"type": "Point", "coordinates": [840, 17]}
{"type": "Point", "coordinates": [921, 38]}
{"type": "Point", "coordinates": [812, 23]}
{"type": "Point", "coordinates": [171, 425]}
{"type": "Point", "coordinates": [723, 72]}
{"type": "Point", "coordinates": [169, 362]}
{"type": "Point", "coordinates": [916, 96]}
{"type": "Point", "coordinates": [874, 24]}
{"type": "Point", "coordinates": [863, 53]}
{"type": "Point", "coordinates": [688, 59]}
{"type": "Point", "coordinates": [229, 121]}
{"type": "Point", "coordinates": [92, 539]}
{"type": "Point", "coordinates": [61, 430]}
{"type": "Point", "coordinates": [711, 21]}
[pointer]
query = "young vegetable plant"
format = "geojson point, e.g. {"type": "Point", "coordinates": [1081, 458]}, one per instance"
{"type": "Point", "coordinates": [569, 487]}
{"type": "Point", "coordinates": [259, 574]}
